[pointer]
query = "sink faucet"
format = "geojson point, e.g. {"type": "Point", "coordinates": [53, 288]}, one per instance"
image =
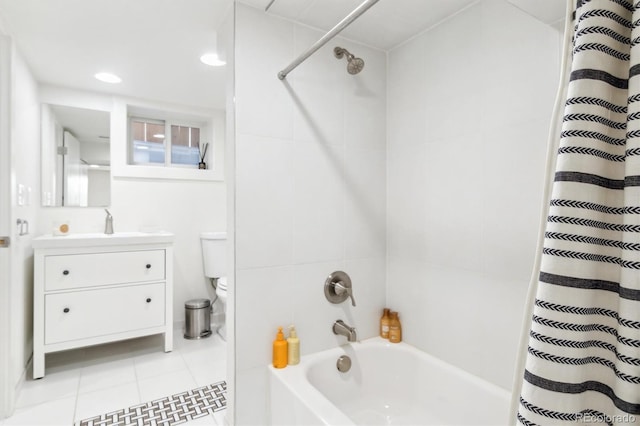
{"type": "Point", "coordinates": [339, 327]}
{"type": "Point", "coordinates": [108, 223]}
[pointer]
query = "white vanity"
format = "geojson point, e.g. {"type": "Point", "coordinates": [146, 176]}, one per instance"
{"type": "Point", "coordinates": [96, 288]}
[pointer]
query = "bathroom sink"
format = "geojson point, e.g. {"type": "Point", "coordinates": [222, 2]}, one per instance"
{"type": "Point", "coordinates": [100, 239]}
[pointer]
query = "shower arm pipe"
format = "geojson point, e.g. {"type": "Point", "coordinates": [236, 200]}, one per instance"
{"type": "Point", "coordinates": [328, 36]}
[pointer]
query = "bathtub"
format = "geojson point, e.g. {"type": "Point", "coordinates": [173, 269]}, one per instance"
{"type": "Point", "coordinates": [388, 384]}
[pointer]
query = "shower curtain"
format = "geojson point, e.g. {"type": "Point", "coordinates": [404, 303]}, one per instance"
{"type": "Point", "coordinates": [583, 356]}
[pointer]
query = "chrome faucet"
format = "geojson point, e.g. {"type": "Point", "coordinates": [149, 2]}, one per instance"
{"type": "Point", "coordinates": [339, 327]}
{"type": "Point", "coordinates": [108, 223]}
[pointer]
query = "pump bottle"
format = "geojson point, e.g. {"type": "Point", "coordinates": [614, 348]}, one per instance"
{"type": "Point", "coordinates": [280, 350]}
{"type": "Point", "coordinates": [395, 329]}
{"type": "Point", "coordinates": [293, 345]}
{"type": "Point", "coordinates": [384, 324]}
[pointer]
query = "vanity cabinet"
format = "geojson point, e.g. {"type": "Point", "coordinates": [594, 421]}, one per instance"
{"type": "Point", "coordinates": [97, 289]}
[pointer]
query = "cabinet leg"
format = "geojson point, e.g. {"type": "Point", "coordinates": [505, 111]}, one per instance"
{"type": "Point", "coordinates": [38, 366]}
{"type": "Point", "coordinates": [168, 340]}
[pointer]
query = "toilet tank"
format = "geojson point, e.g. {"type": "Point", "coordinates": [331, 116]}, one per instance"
{"type": "Point", "coordinates": [214, 253]}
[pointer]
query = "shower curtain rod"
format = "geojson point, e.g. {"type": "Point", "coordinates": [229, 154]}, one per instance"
{"type": "Point", "coordinates": [328, 36]}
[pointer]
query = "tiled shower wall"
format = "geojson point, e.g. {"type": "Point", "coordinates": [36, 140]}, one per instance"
{"type": "Point", "coordinates": [469, 110]}
{"type": "Point", "coordinates": [310, 194]}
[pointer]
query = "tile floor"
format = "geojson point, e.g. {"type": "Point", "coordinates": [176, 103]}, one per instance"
{"type": "Point", "coordinates": [86, 382]}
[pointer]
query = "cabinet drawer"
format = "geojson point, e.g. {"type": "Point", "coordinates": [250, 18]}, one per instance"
{"type": "Point", "coordinates": [96, 269]}
{"type": "Point", "coordinates": [89, 313]}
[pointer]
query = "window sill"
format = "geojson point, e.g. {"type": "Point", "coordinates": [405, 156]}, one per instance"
{"type": "Point", "coordinates": [177, 173]}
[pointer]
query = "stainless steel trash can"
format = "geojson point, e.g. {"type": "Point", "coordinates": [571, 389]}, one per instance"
{"type": "Point", "coordinates": [197, 318]}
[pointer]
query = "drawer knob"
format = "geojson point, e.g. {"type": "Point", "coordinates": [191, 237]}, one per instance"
{"type": "Point", "coordinates": [65, 272]}
{"type": "Point", "coordinates": [148, 266]}
{"type": "Point", "coordinates": [65, 310]}
{"type": "Point", "coordinates": [148, 300]}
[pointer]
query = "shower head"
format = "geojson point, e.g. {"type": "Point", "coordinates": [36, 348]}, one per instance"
{"type": "Point", "coordinates": [354, 65]}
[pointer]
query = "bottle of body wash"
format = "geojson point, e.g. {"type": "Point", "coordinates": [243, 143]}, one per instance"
{"type": "Point", "coordinates": [384, 324]}
{"type": "Point", "coordinates": [395, 328]}
{"type": "Point", "coordinates": [280, 350]}
{"type": "Point", "coordinates": [293, 345]}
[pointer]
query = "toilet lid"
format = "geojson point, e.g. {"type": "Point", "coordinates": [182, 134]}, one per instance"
{"type": "Point", "coordinates": [222, 283]}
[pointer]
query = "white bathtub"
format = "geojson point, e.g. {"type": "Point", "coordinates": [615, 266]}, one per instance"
{"type": "Point", "coordinates": [388, 384]}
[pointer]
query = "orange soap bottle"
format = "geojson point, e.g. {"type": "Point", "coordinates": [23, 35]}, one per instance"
{"type": "Point", "coordinates": [280, 350]}
{"type": "Point", "coordinates": [384, 324]}
{"type": "Point", "coordinates": [395, 329]}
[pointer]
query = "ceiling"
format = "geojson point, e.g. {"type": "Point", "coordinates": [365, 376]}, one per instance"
{"type": "Point", "coordinates": [86, 125]}
{"type": "Point", "coordinates": [155, 45]}
{"type": "Point", "coordinates": [390, 22]}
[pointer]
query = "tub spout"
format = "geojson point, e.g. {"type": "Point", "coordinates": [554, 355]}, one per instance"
{"type": "Point", "coordinates": [339, 327]}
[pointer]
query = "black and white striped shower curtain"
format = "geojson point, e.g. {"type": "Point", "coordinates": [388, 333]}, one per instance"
{"type": "Point", "coordinates": [583, 361]}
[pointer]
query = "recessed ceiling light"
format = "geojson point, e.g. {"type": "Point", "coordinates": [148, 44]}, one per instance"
{"type": "Point", "coordinates": [212, 59]}
{"type": "Point", "coordinates": [158, 136]}
{"type": "Point", "coordinates": [107, 77]}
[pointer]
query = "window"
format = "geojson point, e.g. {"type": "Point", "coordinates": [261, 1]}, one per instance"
{"type": "Point", "coordinates": [165, 142]}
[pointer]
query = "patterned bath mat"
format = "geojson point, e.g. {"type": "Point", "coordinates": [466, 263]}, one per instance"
{"type": "Point", "coordinates": [168, 411]}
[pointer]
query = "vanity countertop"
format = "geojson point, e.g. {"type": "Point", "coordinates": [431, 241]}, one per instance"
{"type": "Point", "coordinates": [99, 239]}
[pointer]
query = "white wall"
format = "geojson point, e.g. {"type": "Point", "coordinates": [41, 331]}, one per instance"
{"type": "Point", "coordinates": [469, 110]}
{"type": "Point", "coordinates": [310, 194]}
{"type": "Point", "coordinates": [184, 207]}
{"type": "Point", "coordinates": [25, 167]}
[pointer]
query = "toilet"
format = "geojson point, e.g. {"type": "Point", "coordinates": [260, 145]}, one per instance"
{"type": "Point", "coordinates": [214, 259]}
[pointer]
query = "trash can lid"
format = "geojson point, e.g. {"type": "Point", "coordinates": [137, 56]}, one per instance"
{"type": "Point", "coordinates": [197, 303]}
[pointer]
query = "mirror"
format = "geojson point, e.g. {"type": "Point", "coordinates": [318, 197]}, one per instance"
{"type": "Point", "coordinates": [75, 157]}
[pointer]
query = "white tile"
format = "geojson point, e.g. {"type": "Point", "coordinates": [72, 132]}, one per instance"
{"type": "Point", "coordinates": [365, 121]}
{"type": "Point", "coordinates": [263, 47]}
{"type": "Point", "coordinates": [62, 360]}
{"type": "Point", "coordinates": [250, 403]}
{"type": "Point", "coordinates": [407, 66]}
{"type": "Point", "coordinates": [407, 201]}
{"type": "Point", "coordinates": [519, 44]}
{"type": "Point", "coordinates": [221, 417]}
{"type": "Point", "coordinates": [318, 114]}
{"type": "Point", "coordinates": [453, 85]}
{"type": "Point", "coordinates": [264, 211]}
{"type": "Point", "coordinates": [165, 385]}
{"type": "Point", "coordinates": [313, 315]}
{"type": "Point", "coordinates": [263, 298]}
{"type": "Point", "coordinates": [58, 412]}
{"type": "Point", "coordinates": [152, 344]}
{"type": "Point", "coordinates": [213, 371]}
{"type": "Point", "coordinates": [370, 85]}
{"type": "Point", "coordinates": [365, 187]}
{"type": "Point", "coordinates": [101, 375]}
{"type": "Point", "coordinates": [106, 400]}
{"type": "Point", "coordinates": [58, 384]}
{"type": "Point", "coordinates": [203, 421]}
{"type": "Point", "coordinates": [157, 363]}
{"type": "Point", "coordinates": [317, 90]}
{"type": "Point", "coordinates": [406, 116]}
{"type": "Point", "coordinates": [214, 349]}
{"type": "Point", "coordinates": [514, 158]}
{"type": "Point", "coordinates": [208, 364]}
{"type": "Point", "coordinates": [109, 352]}
{"type": "Point", "coordinates": [454, 185]}
{"type": "Point", "coordinates": [408, 294]}
{"type": "Point", "coordinates": [319, 197]}
{"type": "Point", "coordinates": [368, 278]}
{"type": "Point", "coordinates": [420, 291]}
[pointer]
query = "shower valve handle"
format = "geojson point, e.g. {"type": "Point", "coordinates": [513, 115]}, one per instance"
{"type": "Point", "coordinates": [341, 289]}
{"type": "Point", "coordinates": [337, 288]}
